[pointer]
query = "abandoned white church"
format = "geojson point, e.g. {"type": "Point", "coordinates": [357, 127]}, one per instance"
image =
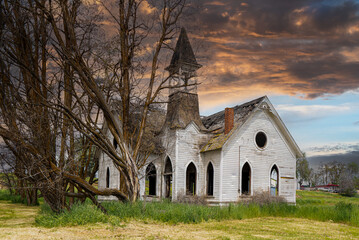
{"type": "Point", "coordinates": [238, 151]}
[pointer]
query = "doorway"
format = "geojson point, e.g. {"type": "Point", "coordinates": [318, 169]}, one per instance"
{"type": "Point", "coordinates": [191, 177]}
{"type": "Point", "coordinates": [168, 178]}
{"type": "Point", "coordinates": [151, 177]}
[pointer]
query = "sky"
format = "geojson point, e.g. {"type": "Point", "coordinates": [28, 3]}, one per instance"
{"type": "Point", "coordinates": [302, 54]}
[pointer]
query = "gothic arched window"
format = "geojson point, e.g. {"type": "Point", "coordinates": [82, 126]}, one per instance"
{"type": "Point", "coordinates": [108, 177]}
{"type": "Point", "coordinates": [191, 176]}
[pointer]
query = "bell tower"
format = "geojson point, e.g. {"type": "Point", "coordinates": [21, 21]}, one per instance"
{"type": "Point", "coordinates": [183, 107]}
{"type": "Point", "coordinates": [183, 67]}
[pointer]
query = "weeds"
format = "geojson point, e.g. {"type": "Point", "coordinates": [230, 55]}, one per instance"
{"type": "Point", "coordinates": [264, 198]}
{"type": "Point", "coordinates": [169, 212]}
{"type": "Point", "coordinates": [80, 214]}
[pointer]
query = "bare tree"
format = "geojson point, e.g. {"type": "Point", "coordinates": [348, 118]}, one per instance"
{"type": "Point", "coordinates": [40, 105]}
{"type": "Point", "coordinates": [25, 122]}
{"type": "Point", "coordinates": [131, 34]}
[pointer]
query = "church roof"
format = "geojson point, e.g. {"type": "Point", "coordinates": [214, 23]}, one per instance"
{"type": "Point", "coordinates": [183, 54]}
{"type": "Point", "coordinates": [215, 123]}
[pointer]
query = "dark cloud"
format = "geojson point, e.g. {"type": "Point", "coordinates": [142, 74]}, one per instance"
{"type": "Point", "coordinates": [328, 18]}
{"type": "Point", "coordinates": [316, 161]}
{"type": "Point", "coordinates": [326, 74]}
{"type": "Point", "coordinates": [278, 16]}
{"type": "Point", "coordinates": [356, 123]}
{"type": "Point", "coordinates": [269, 17]}
{"type": "Point", "coordinates": [299, 47]}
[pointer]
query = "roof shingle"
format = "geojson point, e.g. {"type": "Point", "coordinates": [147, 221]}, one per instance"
{"type": "Point", "coordinates": [215, 124]}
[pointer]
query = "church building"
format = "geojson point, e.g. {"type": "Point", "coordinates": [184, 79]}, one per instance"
{"type": "Point", "coordinates": [236, 152]}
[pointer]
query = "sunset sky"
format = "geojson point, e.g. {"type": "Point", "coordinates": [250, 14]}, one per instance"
{"type": "Point", "coordinates": [302, 54]}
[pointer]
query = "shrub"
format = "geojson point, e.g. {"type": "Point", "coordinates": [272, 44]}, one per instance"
{"type": "Point", "coordinates": [189, 199]}
{"type": "Point", "coordinates": [264, 198]}
{"type": "Point", "coordinates": [347, 186]}
{"type": "Point", "coordinates": [5, 195]}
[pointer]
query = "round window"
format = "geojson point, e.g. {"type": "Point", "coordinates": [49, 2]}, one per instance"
{"type": "Point", "coordinates": [261, 139]}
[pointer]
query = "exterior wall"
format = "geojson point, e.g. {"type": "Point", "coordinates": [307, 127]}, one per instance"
{"type": "Point", "coordinates": [104, 163]}
{"type": "Point", "coordinates": [188, 143]}
{"type": "Point", "coordinates": [183, 147]}
{"type": "Point", "coordinates": [169, 143]}
{"type": "Point", "coordinates": [241, 148]}
{"type": "Point", "coordinates": [157, 161]}
{"type": "Point", "coordinates": [215, 158]}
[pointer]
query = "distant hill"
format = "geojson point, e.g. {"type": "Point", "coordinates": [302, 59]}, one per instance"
{"type": "Point", "coordinates": [345, 158]}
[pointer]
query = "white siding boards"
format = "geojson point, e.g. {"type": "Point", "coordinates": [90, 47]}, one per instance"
{"type": "Point", "coordinates": [243, 144]}
{"type": "Point", "coordinates": [240, 167]}
{"type": "Point", "coordinates": [242, 149]}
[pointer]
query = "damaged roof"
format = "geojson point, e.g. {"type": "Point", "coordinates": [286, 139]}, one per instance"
{"type": "Point", "coordinates": [183, 53]}
{"type": "Point", "coordinates": [215, 123]}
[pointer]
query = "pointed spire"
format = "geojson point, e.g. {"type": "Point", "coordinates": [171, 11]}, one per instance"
{"type": "Point", "coordinates": [183, 54]}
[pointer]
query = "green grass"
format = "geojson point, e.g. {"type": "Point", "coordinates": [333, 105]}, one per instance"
{"type": "Point", "coordinates": [80, 214]}
{"type": "Point", "coordinates": [311, 205]}
{"type": "Point", "coordinates": [6, 196]}
{"type": "Point", "coordinates": [323, 198]}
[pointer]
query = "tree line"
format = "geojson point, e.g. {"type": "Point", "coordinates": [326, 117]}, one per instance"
{"type": "Point", "coordinates": [344, 175]}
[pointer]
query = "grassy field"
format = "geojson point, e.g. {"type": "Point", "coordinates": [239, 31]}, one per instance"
{"type": "Point", "coordinates": [311, 205]}
{"type": "Point", "coordinates": [18, 222]}
{"type": "Point", "coordinates": [323, 198]}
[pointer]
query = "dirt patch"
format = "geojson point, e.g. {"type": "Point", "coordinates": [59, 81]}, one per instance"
{"type": "Point", "coordinates": [18, 222]}
{"type": "Point", "coordinates": [16, 215]}
{"type": "Point", "coordinates": [267, 228]}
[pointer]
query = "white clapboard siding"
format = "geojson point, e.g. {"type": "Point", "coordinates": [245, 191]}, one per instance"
{"type": "Point", "coordinates": [182, 146]}
{"type": "Point", "coordinates": [242, 148]}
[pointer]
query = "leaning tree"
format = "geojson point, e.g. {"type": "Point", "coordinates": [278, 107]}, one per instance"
{"type": "Point", "coordinates": [60, 79]}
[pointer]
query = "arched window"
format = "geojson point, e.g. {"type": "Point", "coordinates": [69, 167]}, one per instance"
{"type": "Point", "coordinates": [210, 173]}
{"type": "Point", "coordinates": [191, 176]}
{"type": "Point", "coordinates": [274, 181]}
{"type": "Point", "coordinates": [168, 178]}
{"type": "Point", "coordinates": [115, 144]}
{"type": "Point", "coordinates": [151, 177]}
{"type": "Point", "coordinates": [246, 179]}
{"type": "Point", "coordinates": [108, 177]}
